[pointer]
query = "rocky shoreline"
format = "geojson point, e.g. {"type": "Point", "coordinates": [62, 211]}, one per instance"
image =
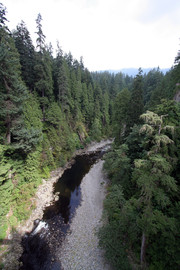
{"type": "Point", "coordinates": [43, 198]}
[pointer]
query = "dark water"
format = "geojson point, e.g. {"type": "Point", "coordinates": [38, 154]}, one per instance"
{"type": "Point", "coordinates": [41, 244]}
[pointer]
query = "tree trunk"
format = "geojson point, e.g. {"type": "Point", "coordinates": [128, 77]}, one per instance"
{"type": "Point", "coordinates": [143, 251]}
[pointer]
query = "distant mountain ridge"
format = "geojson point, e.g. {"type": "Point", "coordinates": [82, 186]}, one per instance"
{"type": "Point", "coordinates": [134, 71]}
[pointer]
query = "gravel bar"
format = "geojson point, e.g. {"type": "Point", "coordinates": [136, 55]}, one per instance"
{"type": "Point", "coordinates": [80, 250]}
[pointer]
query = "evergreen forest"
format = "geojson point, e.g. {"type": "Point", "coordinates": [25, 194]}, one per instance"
{"type": "Point", "coordinates": [52, 105]}
{"type": "Point", "coordinates": [141, 210]}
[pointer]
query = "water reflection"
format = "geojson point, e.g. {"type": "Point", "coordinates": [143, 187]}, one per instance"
{"type": "Point", "coordinates": [69, 188]}
{"type": "Point", "coordinates": [39, 248]}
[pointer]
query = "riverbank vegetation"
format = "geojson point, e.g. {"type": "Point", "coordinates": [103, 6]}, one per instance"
{"type": "Point", "coordinates": [51, 105]}
{"type": "Point", "coordinates": [141, 211]}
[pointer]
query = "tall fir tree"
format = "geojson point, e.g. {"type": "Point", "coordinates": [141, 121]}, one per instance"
{"type": "Point", "coordinates": [120, 115]}
{"type": "Point", "coordinates": [40, 41]}
{"type": "Point", "coordinates": [43, 69]}
{"type": "Point", "coordinates": [136, 104]}
{"type": "Point", "coordinates": [152, 176]}
{"type": "Point", "coordinates": [26, 51]}
{"type": "Point", "coordinates": [12, 89]}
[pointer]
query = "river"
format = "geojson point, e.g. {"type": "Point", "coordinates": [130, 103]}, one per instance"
{"type": "Point", "coordinates": [65, 239]}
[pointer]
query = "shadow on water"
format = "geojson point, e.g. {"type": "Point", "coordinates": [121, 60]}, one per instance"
{"type": "Point", "coordinates": [36, 254]}
{"type": "Point", "coordinates": [41, 244]}
{"type": "Point", "coordinates": [69, 188]}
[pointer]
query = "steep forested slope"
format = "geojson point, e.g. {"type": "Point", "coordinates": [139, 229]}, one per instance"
{"type": "Point", "coordinates": [51, 105]}
{"type": "Point", "coordinates": [141, 215]}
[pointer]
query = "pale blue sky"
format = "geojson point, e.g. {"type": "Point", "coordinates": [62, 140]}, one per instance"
{"type": "Point", "coordinates": [155, 10]}
{"type": "Point", "coordinates": [109, 34]}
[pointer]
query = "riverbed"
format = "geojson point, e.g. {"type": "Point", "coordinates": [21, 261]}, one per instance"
{"type": "Point", "coordinates": [80, 249]}
{"type": "Point", "coordinates": [64, 235]}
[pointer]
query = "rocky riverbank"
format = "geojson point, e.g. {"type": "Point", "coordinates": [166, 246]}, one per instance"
{"type": "Point", "coordinates": [43, 198]}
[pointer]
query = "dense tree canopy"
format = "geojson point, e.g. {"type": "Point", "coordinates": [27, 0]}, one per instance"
{"type": "Point", "coordinates": [141, 224]}
{"type": "Point", "coordinates": [51, 105]}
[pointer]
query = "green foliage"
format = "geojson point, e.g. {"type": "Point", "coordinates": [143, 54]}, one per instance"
{"type": "Point", "coordinates": [31, 168]}
{"type": "Point", "coordinates": [26, 51]}
{"type": "Point", "coordinates": [3, 229]}
{"type": "Point", "coordinates": [76, 141]}
{"type": "Point", "coordinates": [61, 144]}
{"type": "Point", "coordinates": [43, 70]}
{"type": "Point", "coordinates": [26, 140]}
{"type": "Point", "coordinates": [115, 159]}
{"type": "Point", "coordinates": [12, 90]}
{"type": "Point", "coordinates": [144, 171]}
{"type": "Point", "coordinates": [15, 192]}
{"type": "Point", "coordinates": [152, 82]}
{"type": "Point", "coordinates": [111, 233]}
{"type": "Point", "coordinates": [135, 142]}
{"type": "Point", "coordinates": [32, 113]}
{"type": "Point", "coordinates": [96, 130]}
{"type": "Point", "coordinates": [4, 166]}
{"type": "Point", "coordinates": [22, 204]}
{"type": "Point", "coordinates": [54, 115]}
{"type": "Point", "coordinates": [45, 172]}
{"type": "Point", "coordinates": [63, 107]}
{"type": "Point", "coordinates": [28, 133]}
{"type": "Point", "coordinates": [12, 220]}
{"type": "Point", "coordinates": [64, 95]}
{"type": "Point", "coordinates": [5, 191]}
{"type": "Point", "coordinates": [6, 185]}
{"type": "Point", "coordinates": [168, 256]}
{"type": "Point", "coordinates": [46, 158]}
{"type": "Point", "coordinates": [41, 37]}
{"type": "Point", "coordinates": [136, 104]}
{"type": "Point", "coordinates": [3, 16]}
{"type": "Point", "coordinates": [120, 115]}
{"type": "Point", "coordinates": [87, 141]}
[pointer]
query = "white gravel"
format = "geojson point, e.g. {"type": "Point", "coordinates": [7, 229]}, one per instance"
{"type": "Point", "coordinates": [94, 146]}
{"type": "Point", "coordinates": [80, 250]}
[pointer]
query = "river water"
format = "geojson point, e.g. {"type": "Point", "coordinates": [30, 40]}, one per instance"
{"type": "Point", "coordinates": [47, 238]}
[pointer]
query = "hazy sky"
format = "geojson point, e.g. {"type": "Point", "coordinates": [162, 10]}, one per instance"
{"type": "Point", "coordinates": [109, 34]}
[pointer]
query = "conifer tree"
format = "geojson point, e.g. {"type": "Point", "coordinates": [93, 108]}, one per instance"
{"type": "Point", "coordinates": [57, 64]}
{"type": "Point", "coordinates": [105, 113]}
{"type": "Point", "coordinates": [41, 37]}
{"type": "Point", "coordinates": [136, 105]}
{"type": "Point", "coordinates": [63, 88]}
{"type": "Point", "coordinates": [151, 81]}
{"type": "Point", "coordinates": [120, 115]}
{"type": "Point", "coordinates": [12, 89]}
{"type": "Point", "coordinates": [3, 18]}
{"type": "Point", "coordinates": [84, 102]}
{"type": "Point", "coordinates": [74, 90]}
{"type": "Point", "coordinates": [26, 51]}
{"type": "Point", "coordinates": [43, 70]}
{"type": "Point", "coordinates": [152, 176]}
{"type": "Point", "coordinates": [90, 108]}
